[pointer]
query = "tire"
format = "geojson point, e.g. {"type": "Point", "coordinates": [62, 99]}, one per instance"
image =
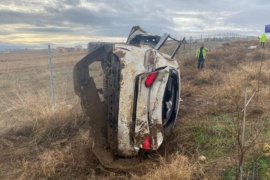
{"type": "Point", "coordinates": [170, 103]}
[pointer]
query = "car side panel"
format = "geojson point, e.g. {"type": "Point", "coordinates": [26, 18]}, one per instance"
{"type": "Point", "coordinates": [155, 109]}
{"type": "Point", "coordinates": [131, 59]}
{"type": "Point", "coordinates": [141, 120]}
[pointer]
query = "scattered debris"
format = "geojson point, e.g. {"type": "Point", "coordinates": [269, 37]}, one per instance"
{"type": "Point", "coordinates": [202, 158]}
{"type": "Point", "coordinates": [252, 47]}
{"type": "Point", "coordinates": [266, 150]}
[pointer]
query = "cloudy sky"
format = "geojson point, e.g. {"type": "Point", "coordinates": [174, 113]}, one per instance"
{"type": "Point", "coordinates": [65, 22]}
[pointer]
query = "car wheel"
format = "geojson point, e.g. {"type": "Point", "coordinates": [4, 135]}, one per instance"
{"type": "Point", "coordinates": [170, 103]}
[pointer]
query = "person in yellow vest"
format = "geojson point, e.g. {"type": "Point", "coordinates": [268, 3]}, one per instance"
{"type": "Point", "coordinates": [263, 40]}
{"type": "Point", "coordinates": [201, 55]}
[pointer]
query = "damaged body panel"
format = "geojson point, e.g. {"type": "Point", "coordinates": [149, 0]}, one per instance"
{"type": "Point", "coordinates": [141, 91]}
{"type": "Point", "coordinates": [148, 101]}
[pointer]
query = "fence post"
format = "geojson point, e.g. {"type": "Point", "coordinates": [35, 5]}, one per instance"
{"type": "Point", "coordinates": [190, 41]}
{"type": "Point", "coordinates": [242, 140]}
{"type": "Point", "coordinates": [52, 85]}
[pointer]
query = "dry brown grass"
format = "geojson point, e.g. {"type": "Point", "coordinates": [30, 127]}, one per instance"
{"type": "Point", "coordinates": [217, 93]}
{"type": "Point", "coordinates": [36, 110]}
{"type": "Point", "coordinates": [39, 136]}
{"type": "Point", "coordinates": [47, 141]}
{"type": "Point", "coordinates": [208, 76]}
{"type": "Point", "coordinates": [178, 167]}
{"type": "Point", "coordinates": [65, 158]}
{"type": "Point", "coordinates": [41, 142]}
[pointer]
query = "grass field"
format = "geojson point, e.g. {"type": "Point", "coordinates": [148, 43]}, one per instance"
{"type": "Point", "coordinates": [38, 141]}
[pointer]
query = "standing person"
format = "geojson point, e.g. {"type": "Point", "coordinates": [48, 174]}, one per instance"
{"type": "Point", "coordinates": [201, 55]}
{"type": "Point", "coordinates": [263, 40]}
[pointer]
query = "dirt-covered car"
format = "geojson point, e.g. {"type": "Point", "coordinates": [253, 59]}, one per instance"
{"type": "Point", "coordinates": [137, 102]}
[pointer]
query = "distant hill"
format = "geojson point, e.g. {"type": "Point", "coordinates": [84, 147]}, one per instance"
{"type": "Point", "coordinates": [4, 47]}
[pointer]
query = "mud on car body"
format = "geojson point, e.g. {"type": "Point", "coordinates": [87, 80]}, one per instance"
{"type": "Point", "coordinates": [139, 100]}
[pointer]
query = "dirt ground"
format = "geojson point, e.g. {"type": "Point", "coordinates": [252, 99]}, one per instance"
{"type": "Point", "coordinates": [38, 142]}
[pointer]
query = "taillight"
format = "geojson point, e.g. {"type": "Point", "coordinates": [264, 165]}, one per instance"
{"type": "Point", "coordinates": [150, 79]}
{"type": "Point", "coordinates": [147, 143]}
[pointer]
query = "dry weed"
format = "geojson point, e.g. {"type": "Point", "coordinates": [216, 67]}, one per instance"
{"type": "Point", "coordinates": [48, 164]}
{"type": "Point", "coordinates": [58, 148]}
{"type": "Point", "coordinates": [36, 110]}
{"type": "Point", "coordinates": [207, 76]}
{"type": "Point", "coordinates": [178, 168]}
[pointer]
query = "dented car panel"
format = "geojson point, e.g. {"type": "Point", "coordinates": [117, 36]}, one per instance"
{"type": "Point", "coordinates": [155, 109]}
{"type": "Point", "coordinates": [140, 96]}
{"type": "Point", "coordinates": [141, 130]}
{"type": "Point", "coordinates": [131, 67]}
{"type": "Point", "coordinates": [148, 120]}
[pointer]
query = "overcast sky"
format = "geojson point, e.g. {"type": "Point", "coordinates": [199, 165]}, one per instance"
{"type": "Point", "coordinates": [66, 22]}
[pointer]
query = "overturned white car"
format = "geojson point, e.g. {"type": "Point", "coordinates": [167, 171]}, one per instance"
{"type": "Point", "coordinates": [138, 101]}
